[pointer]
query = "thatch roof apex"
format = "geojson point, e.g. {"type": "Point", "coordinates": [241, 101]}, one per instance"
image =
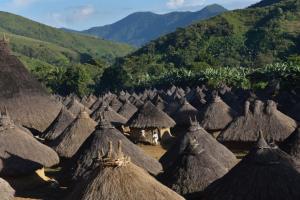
{"type": "Point", "coordinates": [261, 142]}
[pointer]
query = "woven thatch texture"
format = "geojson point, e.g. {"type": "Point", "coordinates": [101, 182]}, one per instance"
{"type": "Point", "coordinates": [68, 143]}
{"type": "Point", "coordinates": [205, 141]}
{"type": "Point", "coordinates": [62, 121]}
{"type": "Point", "coordinates": [75, 107]}
{"type": "Point", "coordinates": [150, 117]}
{"type": "Point", "coordinates": [6, 191]}
{"type": "Point", "coordinates": [265, 173]}
{"type": "Point", "coordinates": [99, 140]}
{"type": "Point", "coordinates": [185, 111]}
{"type": "Point", "coordinates": [127, 110]}
{"type": "Point", "coordinates": [111, 115]}
{"type": "Point", "coordinates": [27, 101]}
{"type": "Point", "coordinates": [267, 119]}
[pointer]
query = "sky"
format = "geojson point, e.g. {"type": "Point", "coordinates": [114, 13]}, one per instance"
{"type": "Point", "coordinates": [83, 14]}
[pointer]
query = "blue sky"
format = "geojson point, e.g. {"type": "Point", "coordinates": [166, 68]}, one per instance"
{"type": "Point", "coordinates": [83, 14]}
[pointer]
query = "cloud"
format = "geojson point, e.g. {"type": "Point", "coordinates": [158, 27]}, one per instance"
{"type": "Point", "coordinates": [175, 4]}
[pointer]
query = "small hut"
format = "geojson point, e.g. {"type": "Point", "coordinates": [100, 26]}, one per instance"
{"type": "Point", "coordinates": [150, 124]}
{"type": "Point", "coordinates": [20, 153]}
{"type": "Point", "coordinates": [291, 145]}
{"type": "Point", "coordinates": [88, 101]}
{"type": "Point", "coordinates": [115, 104]}
{"type": "Point", "coordinates": [217, 115]}
{"type": "Point", "coordinates": [159, 102]}
{"type": "Point", "coordinates": [207, 142]}
{"type": "Point", "coordinates": [183, 114]}
{"type": "Point", "coordinates": [111, 115]}
{"type": "Point", "coordinates": [115, 177]}
{"type": "Point", "coordinates": [96, 104]}
{"type": "Point", "coordinates": [193, 171]}
{"type": "Point", "coordinates": [75, 107]}
{"type": "Point", "coordinates": [71, 139]}
{"type": "Point", "coordinates": [104, 133]}
{"type": "Point", "coordinates": [62, 121]}
{"type": "Point", "coordinates": [6, 191]}
{"type": "Point", "coordinates": [127, 110]}
{"type": "Point", "coordinates": [265, 173]}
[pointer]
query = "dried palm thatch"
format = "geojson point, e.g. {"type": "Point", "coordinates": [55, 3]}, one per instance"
{"type": "Point", "coordinates": [115, 104]}
{"type": "Point", "coordinates": [185, 111]}
{"type": "Point", "coordinates": [104, 133]}
{"type": "Point", "coordinates": [217, 115]}
{"type": "Point", "coordinates": [265, 173]}
{"type": "Point", "coordinates": [111, 115]}
{"type": "Point", "coordinates": [269, 120]}
{"type": "Point", "coordinates": [6, 191]}
{"type": "Point", "coordinates": [23, 95]}
{"type": "Point", "coordinates": [97, 104]}
{"type": "Point", "coordinates": [68, 143]}
{"type": "Point", "coordinates": [218, 151]}
{"type": "Point", "coordinates": [20, 153]}
{"type": "Point", "coordinates": [292, 144]}
{"type": "Point", "coordinates": [62, 121]}
{"type": "Point", "coordinates": [88, 101]}
{"type": "Point", "coordinates": [150, 117]}
{"type": "Point", "coordinates": [114, 177]}
{"type": "Point", "coordinates": [193, 171]}
{"type": "Point", "coordinates": [75, 107]}
{"type": "Point", "coordinates": [127, 110]}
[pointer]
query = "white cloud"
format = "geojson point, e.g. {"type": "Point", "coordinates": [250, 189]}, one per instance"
{"type": "Point", "coordinates": [174, 4]}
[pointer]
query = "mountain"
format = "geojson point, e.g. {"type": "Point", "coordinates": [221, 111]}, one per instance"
{"type": "Point", "coordinates": [265, 33]}
{"type": "Point", "coordinates": [141, 27]}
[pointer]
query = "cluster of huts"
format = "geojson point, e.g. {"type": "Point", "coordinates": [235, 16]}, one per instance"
{"type": "Point", "coordinates": [93, 139]}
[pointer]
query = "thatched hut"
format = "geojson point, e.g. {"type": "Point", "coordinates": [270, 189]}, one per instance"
{"type": "Point", "coordinates": [193, 171]}
{"type": "Point", "coordinates": [75, 107]}
{"type": "Point", "coordinates": [267, 118]}
{"type": "Point", "coordinates": [184, 112]}
{"type": "Point", "coordinates": [150, 122]}
{"type": "Point", "coordinates": [68, 143]}
{"type": "Point", "coordinates": [111, 115]}
{"type": "Point", "coordinates": [127, 110]}
{"type": "Point", "coordinates": [6, 191]}
{"type": "Point", "coordinates": [96, 104]}
{"type": "Point", "coordinates": [159, 102]}
{"type": "Point", "coordinates": [88, 101]}
{"type": "Point", "coordinates": [265, 173]}
{"type": "Point", "coordinates": [115, 104]}
{"type": "Point", "coordinates": [217, 115]}
{"type": "Point", "coordinates": [115, 177]}
{"type": "Point", "coordinates": [24, 97]}
{"type": "Point", "coordinates": [291, 145]}
{"type": "Point", "coordinates": [62, 121]}
{"type": "Point", "coordinates": [104, 133]}
{"type": "Point", "coordinates": [20, 153]}
{"type": "Point", "coordinates": [205, 141]}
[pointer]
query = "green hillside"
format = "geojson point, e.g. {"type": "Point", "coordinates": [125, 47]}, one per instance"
{"type": "Point", "coordinates": [266, 33]}
{"type": "Point", "coordinates": [50, 52]}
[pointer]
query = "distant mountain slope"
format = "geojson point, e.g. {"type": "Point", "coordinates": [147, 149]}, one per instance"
{"type": "Point", "coordinates": [139, 28]}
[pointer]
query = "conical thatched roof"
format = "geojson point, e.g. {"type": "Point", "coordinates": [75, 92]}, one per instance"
{"type": "Point", "coordinates": [150, 117]}
{"type": "Point", "coordinates": [217, 115]}
{"type": "Point", "coordinates": [159, 102]}
{"type": "Point", "coordinates": [111, 115]}
{"type": "Point", "coordinates": [183, 114]}
{"type": "Point", "coordinates": [26, 100]}
{"type": "Point", "coordinates": [268, 119]}
{"type": "Point", "coordinates": [265, 173]}
{"type": "Point", "coordinates": [193, 171]}
{"type": "Point", "coordinates": [62, 121]}
{"type": "Point", "coordinates": [75, 107]}
{"type": "Point", "coordinates": [205, 141]}
{"type": "Point", "coordinates": [20, 153]}
{"type": "Point", "coordinates": [292, 144]}
{"type": "Point", "coordinates": [127, 110]}
{"type": "Point", "coordinates": [96, 104]}
{"type": "Point", "coordinates": [68, 143]}
{"type": "Point", "coordinates": [6, 191]}
{"type": "Point", "coordinates": [88, 101]}
{"type": "Point", "coordinates": [104, 133]}
{"type": "Point", "coordinates": [115, 177]}
{"type": "Point", "coordinates": [115, 104]}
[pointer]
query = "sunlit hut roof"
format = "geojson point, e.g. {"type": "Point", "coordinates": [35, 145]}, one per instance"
{"type": "Point", "coordinates": [68, 143]}
{"type": "Point", "coordinates": [266, 118]}
{"type": "Point", "coordinates": [6, 191]}
{"type": "Point", "coordinates": [116, 177]}
{"type": "Point", "coordinates": [75, 107]}
{"type": "Point", "coordinates": [217, 115]}
{"type": "Point", "coordinates": [265, 173]}
{"type": "Point", "coordinates": [112, 116]}
{"type": "Point", "coordinates": [62, 121]}
{"type": "Point", "coordinates": [184, 112]}
{"type": "Point", "coordinates": [292, 144]}
{"type": "Point", "coordinates": [96, 104]}
{"type": "Point", "coordinates": [27, 101]}
{"type": "Point", "coordinates": [115, 104]}
{"type": "Point", "coordinates": [150, 117]}
{"type": "Point", "coordinates": [127, 110]}
{"type": "Point", "coordinates": [104, 133]}
{"type": "Point", "coordinates": [88, 101]}
{"type": "Point", "coordinates": [193, 170]}
{"type": "Point", "coordinates": [20, 153]}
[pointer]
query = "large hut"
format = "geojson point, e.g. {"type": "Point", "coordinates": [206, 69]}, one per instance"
{"type": "Point", "coordinates": [217, 115]}
{"type": "Point", "coordinates": [104, 133]}
{"type": "Point", "coordinates": [20, 153]}
{"type": "Point", "coordinates": [62, 121]}
{"type": "Point", "coordinates": [267, 118]}
{"type": "Point", "coordinates": [115, 177]}
{"type": "Point", "coordinates": [193, 171]}
{"type": "Point", "coordinates": [292, 144]}
{"type": "Point", "coordinates": [205, 141]}
{"type": "Point", "coordinates": [265, 173]}
{"type": "Point", "coordinates": [6, 191]}
{"type": "Point", "coordinates": [150, 124]}
{"type": "Point", "coordinates": [24, 97]}
{"type": "Point", "coordinates": [68, 143]}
